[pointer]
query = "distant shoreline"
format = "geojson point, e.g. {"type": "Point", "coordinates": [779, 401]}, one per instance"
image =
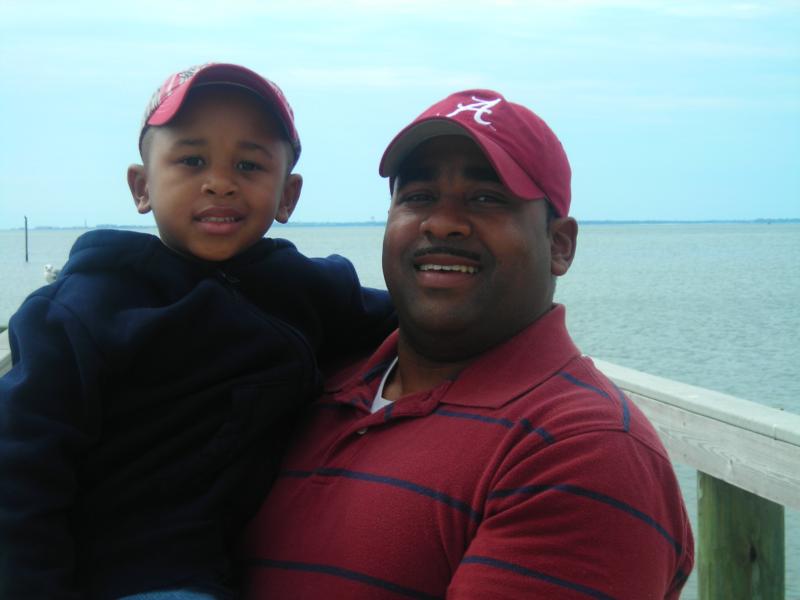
{"type": "Point", "coordinates": [762, 221]}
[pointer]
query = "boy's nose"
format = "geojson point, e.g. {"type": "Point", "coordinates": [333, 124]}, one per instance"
{"type": "Point", "coordinates": [218, 185]}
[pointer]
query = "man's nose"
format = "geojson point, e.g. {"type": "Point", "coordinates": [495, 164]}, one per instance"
{"type": "Point", "coordinates": [447, 218]}
{"type": "Point", "coordinates": [219, 183]}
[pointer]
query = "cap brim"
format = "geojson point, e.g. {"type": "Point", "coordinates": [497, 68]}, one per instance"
{"type": "Point", "coordinates": [228, 74]}
{"type": "Point", "coordinates": [510, 173]}
{"type": "Point", "coordinates": [213, 74]}
{"type": "Point", "coordinates": [412, 136]}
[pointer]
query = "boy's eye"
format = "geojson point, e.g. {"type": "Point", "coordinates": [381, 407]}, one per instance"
{"type": "Point", "coordinates": [247, 165]}
{"type": "Point", "coordinates": [192, 161]}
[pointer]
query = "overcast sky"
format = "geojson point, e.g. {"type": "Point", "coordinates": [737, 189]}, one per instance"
{"type": "Point", "coordinates": [667, 109]}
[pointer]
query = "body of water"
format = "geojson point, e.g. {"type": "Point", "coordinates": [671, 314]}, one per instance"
{"type": "Point", "coordinates": [714, 305]}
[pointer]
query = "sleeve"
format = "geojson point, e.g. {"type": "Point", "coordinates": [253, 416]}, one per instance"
{"type": "Point", "coordinates": [354, 318]}
{"type": "Point", "coordinates": [598, 515]}
{"type": "Point", "coordinates": [323, 298]}
{"type": "Point", "coordinates": [46, 420]}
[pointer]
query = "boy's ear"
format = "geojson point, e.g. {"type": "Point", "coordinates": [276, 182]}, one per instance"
{"type": "Point", "coordinates": [289, 197]}
{"type": "Point", "coordinates": [563, 239]}
{"type": "Point", "coordinates": [137, 182]}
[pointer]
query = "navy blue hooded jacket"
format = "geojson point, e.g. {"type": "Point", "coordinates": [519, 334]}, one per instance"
{"type": "Point", "coordinates": [150, 392]}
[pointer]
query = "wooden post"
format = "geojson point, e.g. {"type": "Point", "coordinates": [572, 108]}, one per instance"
{"type": "Point", "coordinates": [740, 553]}
{"type": "Point", "coordinates": [26, 239]}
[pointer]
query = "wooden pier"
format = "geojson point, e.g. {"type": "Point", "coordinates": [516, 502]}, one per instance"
{"type": "Point", "coordinates": [748, 460]}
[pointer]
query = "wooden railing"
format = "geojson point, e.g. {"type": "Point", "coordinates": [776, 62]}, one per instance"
{"type": "Point", "coordinates": [748, 460]}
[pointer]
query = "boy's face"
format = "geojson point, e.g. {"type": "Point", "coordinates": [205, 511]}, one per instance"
{"type": "Point", "coordinates": [216, 176]}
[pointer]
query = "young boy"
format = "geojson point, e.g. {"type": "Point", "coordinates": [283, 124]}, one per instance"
{"type": "Point", "coordinates": [154, 381]}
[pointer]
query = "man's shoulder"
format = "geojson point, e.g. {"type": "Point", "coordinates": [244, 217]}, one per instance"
{"type": "Point", "coordinates": [572, 397]}
{"type": "Point", "coordinates": [582, 399]}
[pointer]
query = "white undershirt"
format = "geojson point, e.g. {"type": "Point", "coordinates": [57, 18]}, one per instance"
{"type": "Point", "coordinates": [379, 402]}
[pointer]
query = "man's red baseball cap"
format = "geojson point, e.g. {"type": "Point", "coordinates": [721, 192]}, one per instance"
{"type": "Point", "coordinates": [168, 99]}
{"type": "Point", "coordinates": [527, 155]}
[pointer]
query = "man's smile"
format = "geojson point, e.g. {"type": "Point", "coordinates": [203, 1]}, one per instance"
{"type": "Point", "coordinates": [454, 268]}
{"type": "Point", "coordinates": [447, 259]}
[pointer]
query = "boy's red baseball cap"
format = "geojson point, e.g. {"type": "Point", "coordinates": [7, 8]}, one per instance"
{"type": "Point", "coordinates": [526, 154]}
{"type": "Point", "coordinates": [168, 99]}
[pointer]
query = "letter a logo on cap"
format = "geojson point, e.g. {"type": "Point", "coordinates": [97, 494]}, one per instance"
{"type": "Point", "coordinates": [480, 107]}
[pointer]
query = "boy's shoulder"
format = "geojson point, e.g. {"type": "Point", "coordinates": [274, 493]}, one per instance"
{"type": "Point", "coordinates": [109, 244]}
{"type": "Point", "coordinates": [106, 266]}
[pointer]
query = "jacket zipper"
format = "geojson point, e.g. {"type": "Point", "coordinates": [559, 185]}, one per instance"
{"type": "Point", "coordinates": [231, 282]}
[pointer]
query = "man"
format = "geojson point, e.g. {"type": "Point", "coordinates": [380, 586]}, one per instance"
{"type": "Point", "coordinates": [476, 453]}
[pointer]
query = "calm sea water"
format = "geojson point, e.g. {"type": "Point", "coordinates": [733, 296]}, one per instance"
{"type": "Point", "coordinates": [714, 305]}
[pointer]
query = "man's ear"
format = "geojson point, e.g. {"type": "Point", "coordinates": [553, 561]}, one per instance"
{"type": "Point", "coordinates": [563, 239]}
{"type": "Point", "coordinates": [137, 182]}
{"type": "Point", "coordinates": [289, 197]}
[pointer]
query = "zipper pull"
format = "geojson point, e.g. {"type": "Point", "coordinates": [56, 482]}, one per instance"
{"type": "Point", "coordinates": [228, 278]}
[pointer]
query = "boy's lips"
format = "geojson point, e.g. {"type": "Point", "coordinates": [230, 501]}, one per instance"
{"type": "Point", "coordinates": [219, 214]}
{"type": "Point", "coordinates": [219, 220]}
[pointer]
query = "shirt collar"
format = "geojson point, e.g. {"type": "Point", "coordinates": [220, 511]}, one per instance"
{"type": "Point", "coordinates": [516, 366]}
{"type": "Point", "coordinates": [498, 376]}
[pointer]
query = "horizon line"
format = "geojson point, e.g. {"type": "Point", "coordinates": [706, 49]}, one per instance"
{"type": "Point", "coordinates": [373, 223]}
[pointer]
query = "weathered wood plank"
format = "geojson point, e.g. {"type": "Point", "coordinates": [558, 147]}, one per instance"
{"type": "Point", "coordinates": [5, 353]}
{"type": "Point", "coordinates": [704, 438]}
{"type": "Point", "coordinates": [740, 553]}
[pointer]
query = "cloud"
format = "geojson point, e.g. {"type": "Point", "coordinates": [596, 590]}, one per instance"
{"type": "Point", "coordinates": [212, 13]}
{"type": "Point", "coordinates": [377, 77]}
{"type": "Point", "coordinates": [694, 102]}
{"type": "Point", "coordinates": [734, 10]}
{"type": "Point", "coordinates": [668, 45]}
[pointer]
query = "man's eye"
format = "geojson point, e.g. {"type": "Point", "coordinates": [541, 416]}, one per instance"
{"type": "Point", "coordinates": [247, 165]}
{"type": "Point", "coordinates": [416, 198]}
{"type": "Point", "coordinates": [489, 199]}
{"type": "Point", "coordinates": [192, 161]}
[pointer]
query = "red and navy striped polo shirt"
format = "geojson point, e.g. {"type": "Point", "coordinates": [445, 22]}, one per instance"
{"type": "Point", "coordinates": [530, 475]}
